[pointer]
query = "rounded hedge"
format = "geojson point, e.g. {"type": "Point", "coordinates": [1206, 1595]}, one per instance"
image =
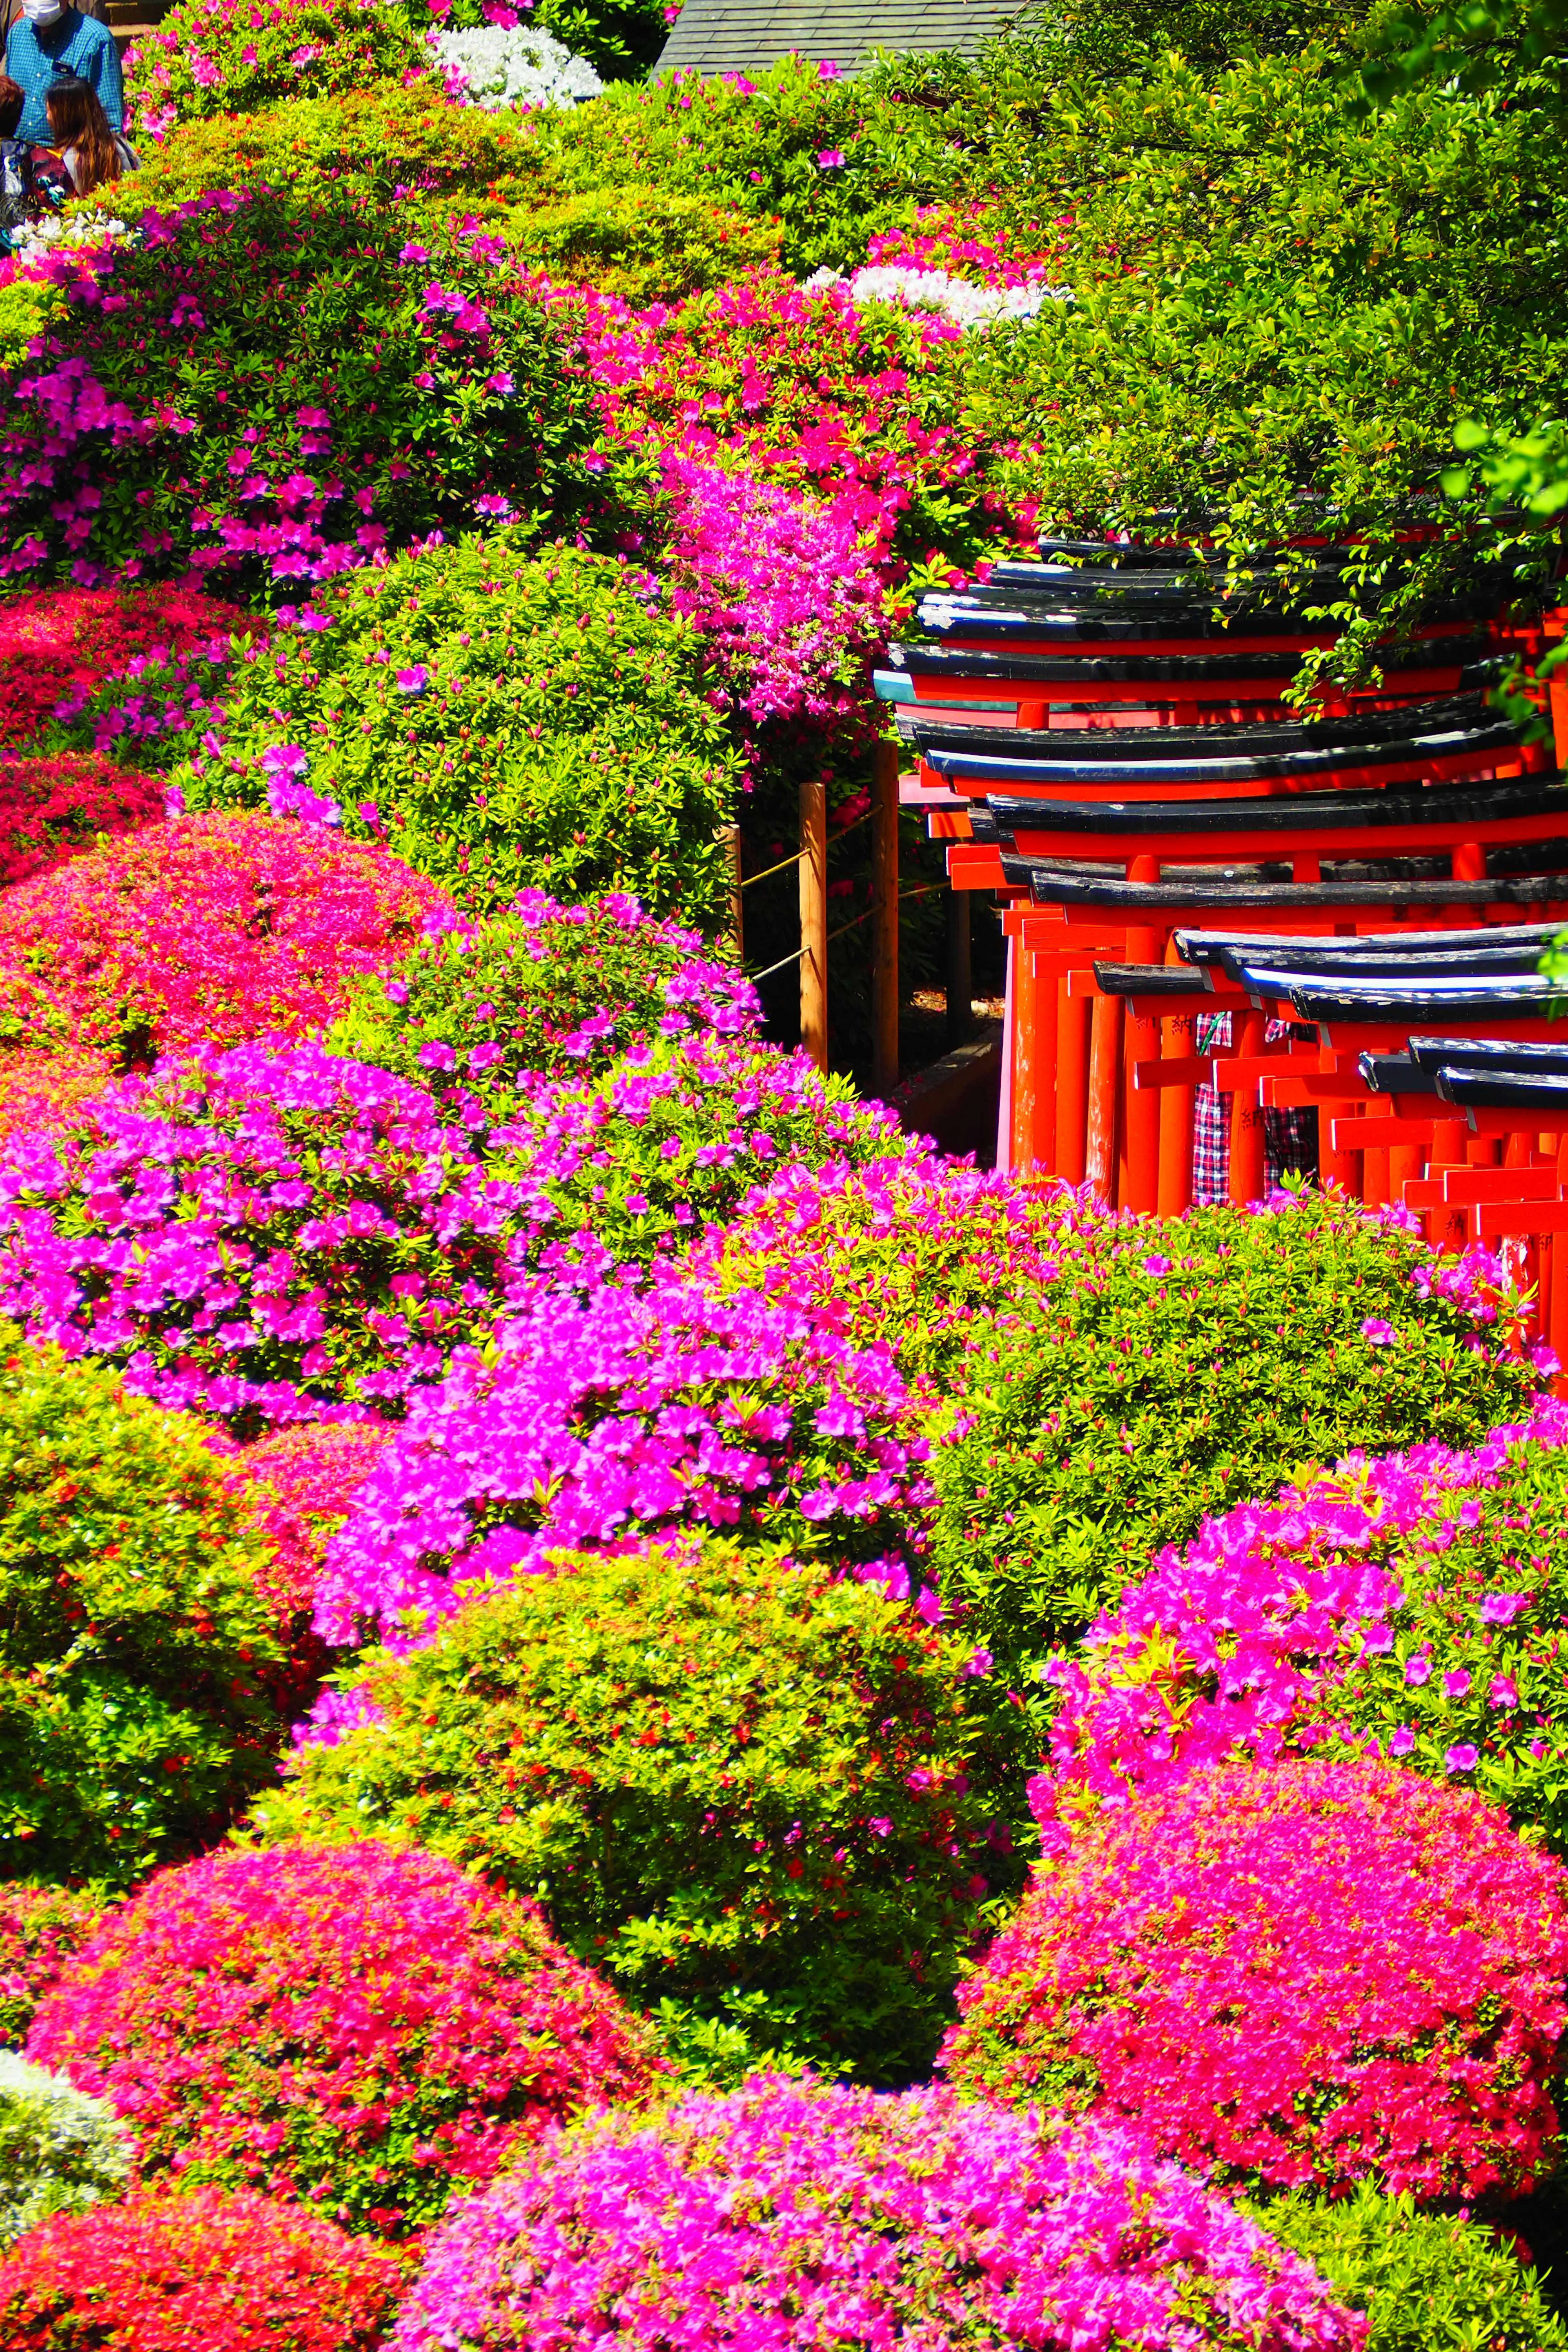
{"type": "Point", "coordinates": [231, 2273]}
{"type": "Point", "coordinates": [792, 2213]}
{"type": "Point", "coordinates": [59, 2151]}
{"type": "Point", "coordinates": [542, 988]}
{"type": "Point", "coordinates": [753, 1788]}
{"type": "Point", "coordinates": [138, 1652]}
{"type": "Point", "coordinates": [1427, 2282]}
{"type": "Point", "coordinates": [355, 2026]}
{"type": "Point", "coordinates": [1323, 1973]}
{"type": "Point", "coordinates": [504, 721]}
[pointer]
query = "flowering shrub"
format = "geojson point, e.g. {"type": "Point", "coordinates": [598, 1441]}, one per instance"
{"type": "Point", "coordinates": [215, 57]}
{"type": "Point", "coordinates": [351, 2026]}
{"type": "Point", "coordinates": [543, 988]}
{"type": "Point", "coordinates": [51, 807]}
{"type": "Point", "coordinates": [633, 1415]}
{"type": "Point", "coordinates": [137, 1649]}
{"type": "Point", "coordinates": [514, 65]}
{"type": "Point", "coordinates": [40, 1928]}
{"type": "Point", "coordinates": [62, 644]}
{"type": "Point", "coordinates": [642, 244]}
{"type": "Point", "coordinates": [789, 1760]}
{"type": "Point", "coordinates": [1427, 2282]}
{"type": "Point", "coordinates": [959, 298]}
{"type": "Point", "coordinates": [212, 929]}
{"type": "Point", "coordinates": [295, 1486]}
{"type": "Point", "coordinates": [1411, 1607]}
{"type": "Point", "coordinates": [337, 1240]}
{"type": "Point", "coordinates": [1325, 1973]}
{"type": "Point", "coordinates": [231, 2273]}
{"type": "Point", "coordinates": [501, 721]}
{"type": "Point", "coordinates": [803, 2212]}
{"type": "Point", "coordinates": [192, 408]}
{"type": "Point", "coordinates": [59, 2152]}
{"type": "Point", "coordinates": [1166, 1372]}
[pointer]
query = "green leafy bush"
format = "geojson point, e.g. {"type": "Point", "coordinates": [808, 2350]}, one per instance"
{"type": "Point", "coordinates": [742, 1786]}
{"type": "Point", "coordinates": [644, 244]}
{"type": "Point", "coordinates": [135, 1645]}
{"type": "Point", "coordinates": [208, 56]}
{"type": "Point", "coordinates": [508, 721]}
{"type": "Point", "coordinates": [362, 140]}
{"type": "Point", "coordinates": [59, 2150]}
{"type": "Point", "coordinates": [1427, 2282]}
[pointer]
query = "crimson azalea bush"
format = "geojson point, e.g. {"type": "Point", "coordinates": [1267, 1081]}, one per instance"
{"type": "Point", "coordinates": [223, 57]}
{"type": "Point", "coordinates": [546, 988]}
{"type": "Point", "coordinates": [207, 929]}
{"type": "Point", "coordinates": [231, 2273]}
{"type": "Point", "coordinates": [1318, 1973]}
{"type": "Point", "coordinates": [803, 2211]}
{"type": "Point", "coordinates": [752, 1788]}
{"type": "Point", "coordinates": [503, 719]}
{"type": "Point", "coordinates": [1410, 1606]}
{"type": "Point", "coordinates": [355, 2027]}
{"type": "Point", "coordinates": [40, 1928]}
{"type": "Point", "coordinates": [140, 1698]}
{"type": "Point", "coordinates": [50, 808]}
{"type": "Point", "coordinates": [636, 1412]}
{"type": "Point", "coordinates": [60, 643]}
{"type": "Point", "coordinates": [296, 1485]}
{"type": "Point", "coordinates": [278, 387]}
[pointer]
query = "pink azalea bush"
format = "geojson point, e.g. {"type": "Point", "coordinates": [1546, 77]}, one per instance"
{"type": "Point", "coordinates": [52, 807]}
{"type": "Point", "coordinates": [793, 2213]}
{"type": "Point", "coordinates": [355, 2027]}
{"type": "Point", "coordinates": [298, 1484]}
{"type": "Point", "coordinates": [206, 930]}
{"type": "Point", "coordinates": [230, 57]}
{"type": "Point", "coordinates": [61, 646]}
{"type": "Point", "coordinates": [1315, 1973]}
{"type": "Point", "coordinates": [635, 1414]}
{"type": "Point", "coordinates": [41, 1927]}
{"type": "Point", "coordinates": [1408, 1606]}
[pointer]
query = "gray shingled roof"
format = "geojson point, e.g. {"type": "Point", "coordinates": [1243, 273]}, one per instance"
{"type": "Point", "coordinates": [747, 35]}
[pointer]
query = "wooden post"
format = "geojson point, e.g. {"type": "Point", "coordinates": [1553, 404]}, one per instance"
{"type": "Point", "coordinates": [960, 966]}
{"type": "Point", "coordinates": [884, 917]}
{"type": "Point", "coordinates": [1141, 1110]}
{"type": "Point", "coordinates": [730, 843]}
{"type": "Point", "coordinates": [1246, 1152]}
{"type": "Point", "coordinates": [814, 920]}
{"type": "Point", "coordinates": [1104, 1094]}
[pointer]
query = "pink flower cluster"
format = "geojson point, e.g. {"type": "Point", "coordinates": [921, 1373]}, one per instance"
{"type": "Point", "coordinates": [1322, 1972]}
{"type": "Point", "coordinates": [63, 644]}
{"type": "Point", "coordinates": [355, 2026]}
{"type": "Point", "coordinates": [792, 2213]}
{"type": "Point", "coordinates": [51, 807]}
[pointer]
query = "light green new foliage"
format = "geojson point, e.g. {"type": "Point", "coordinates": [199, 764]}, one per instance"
{"type": "Point", "coordinates": [59, 2150]}
{"type": "Point", "coordinates": [1427, 2282]}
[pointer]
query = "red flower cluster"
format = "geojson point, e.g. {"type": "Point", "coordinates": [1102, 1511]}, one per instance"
{"type": "Point", "coordinates": [56, 640]}
{"type": "Point", "coordinates": [50, 808]}
{"type": "Point", "coordinates": [357, 2026]}
{"type": "Point", "coordinates": [227, 2273]}
{"type": "Point", "coordinates": [299, 1484]}
{"type": "Point", "coordinates": [1322, 1972]}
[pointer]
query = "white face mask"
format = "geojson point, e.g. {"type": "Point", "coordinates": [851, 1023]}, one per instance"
{"type": "Point", "coordinates": [42, 12]}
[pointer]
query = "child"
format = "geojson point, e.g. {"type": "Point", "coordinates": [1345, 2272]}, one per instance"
{"type": "Point", "coordinates": [18, 195]}
{"type": "Point", "coordinates": [89, 152]}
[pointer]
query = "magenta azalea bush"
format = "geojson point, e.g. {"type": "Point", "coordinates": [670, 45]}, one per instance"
{"type": "Point", "coordinates": [230, 57]}
{"type": "Point", "coordinates": [802, 2211]}
{"type": "Point", "coordinates": [1408, 1606]}
{"type": "Point", "coordinates": [1317, 1973]}
{"type": "Point", "coordinates": [356, 2027]}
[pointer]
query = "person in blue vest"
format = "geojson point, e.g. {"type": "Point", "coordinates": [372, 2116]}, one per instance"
{"type": "Point", "coordinates": [48, 38]}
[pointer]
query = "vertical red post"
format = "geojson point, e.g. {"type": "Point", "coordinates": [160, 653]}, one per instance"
{"type": "Point", "coordinates": [1073, 1018]}
{"type": "Point", "coordinates": [1104, 1088]}
{"type": "Point", "coordinates": [1026, 1047]}
{"type": "Point", "coordinates": [1141, 1110]}
{"type": "Point", "coordinates": [1247, 1155]}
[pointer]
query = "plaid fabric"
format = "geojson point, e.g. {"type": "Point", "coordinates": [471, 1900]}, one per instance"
{"type": "Point", "coordinates": [1289, 1136]}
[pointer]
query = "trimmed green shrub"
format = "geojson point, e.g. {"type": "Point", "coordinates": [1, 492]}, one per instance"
{"type": "Point", "coordinates": [136, 1646]}
{"type": "Point", "coordinates": [362, 141]}
{"type": "Point", "coordinates": [744, 1787]}
{"type": "Point", "coordinates": [501, 721]}
{"type": "Point", "coordinates": [644, 244]}
{"type": "Point", "coordinates": [1427, 2282]}
{"type": "Point", "coordinates": [59, 2150]}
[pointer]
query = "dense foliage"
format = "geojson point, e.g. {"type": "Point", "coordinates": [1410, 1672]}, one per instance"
{"type": "Point", "coordinates": [214, 57]}
{"type": "Point", "coordinates": [233, 2273]}
{"type": "Point", "coordinates": [789, 2208]}
{"type": "Point", "coordinates": [732, 1782]}
{"type": "Point", "coordinates": [59, 2151]}
{"type": "Point", "coordinates": [51, 807]}
{"type": "Point", "coordinates": [502, 721]}
{"type": "Point", "coordinates": [1318, 1973]}
{"type": "Point", "coordinates": [352, 2026]}
{"type": "Point", "coordinates": [137, 1651]}
{"type": "Point", "coordinates": [40, 1928]}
